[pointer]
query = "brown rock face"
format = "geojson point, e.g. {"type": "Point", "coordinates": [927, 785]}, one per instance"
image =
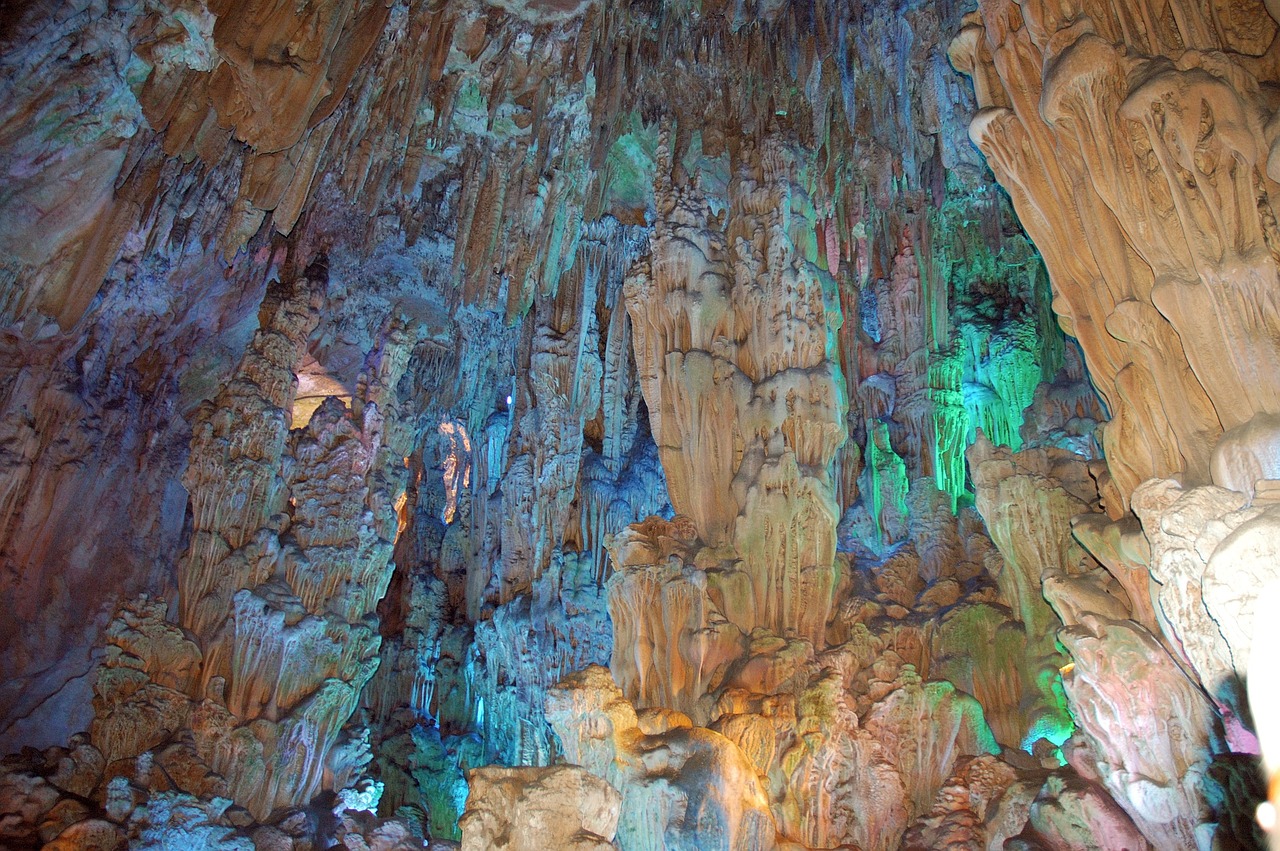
{"type": "Point", "coordinates": [289, 556]}
{"type": "Point", "coordinates": [284, 69]}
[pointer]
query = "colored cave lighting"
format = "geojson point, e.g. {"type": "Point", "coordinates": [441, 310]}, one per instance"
{"type": "Point", "coordinates": [456, 466]}
{"type": "Point", "coordinates": [985, 361]}
{"type": "Point", "coordinates": [726, 566]}
{"type": "Point", "coordinates": [950, 424]}
{"type": "Point", "coordinates": [1056, 725]}
{"type": "Point", "coordinates": [1053, 731]}
{"type": "Point", "coordinates": [888, 478]}
{"type": "Point", "coordinates": [983, 385]}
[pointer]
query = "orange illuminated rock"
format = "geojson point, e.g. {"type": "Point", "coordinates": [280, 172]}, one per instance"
{"type": "Point", "coordinates": [531, 809]}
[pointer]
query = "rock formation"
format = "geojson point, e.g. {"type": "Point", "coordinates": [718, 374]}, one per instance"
{"type": "Point", "coordinates": [525, 808]}
{"type": "Point", "coordinates": [653, 425]}
{"type": "Point", "coordinates": [1140, 132]}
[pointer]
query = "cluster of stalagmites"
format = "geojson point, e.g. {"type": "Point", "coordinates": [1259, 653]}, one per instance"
{"type": "Point", "coordinates": [222, 727]}
{"type": "Point", "coordinates": [1076, 685]}
{"type": "Point", "coordinates": [850, 746]}
{"type": "Point", "coordinates": [888, 708]}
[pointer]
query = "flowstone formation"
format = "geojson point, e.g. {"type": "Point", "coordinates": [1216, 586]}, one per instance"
{"type": "Point", "coordinates": [570, 424]}
{"type": "Point", "coordinates": [1151, 144]}
{"type": "Point", "coordinates": [735, 347]}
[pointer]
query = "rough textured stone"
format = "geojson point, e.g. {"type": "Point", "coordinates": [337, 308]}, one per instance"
{"type": "Point", "coordinates": [529, 809]}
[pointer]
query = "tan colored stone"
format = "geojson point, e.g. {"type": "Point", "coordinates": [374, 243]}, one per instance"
{"type": "Point", "coordinates": [531, 809]}
{"type": "Point", "coordinates": [90, 833]}
{"type": "Point", "coordinates": [677, 786]}
{"type": "Point", "coordinates": [732, 334]}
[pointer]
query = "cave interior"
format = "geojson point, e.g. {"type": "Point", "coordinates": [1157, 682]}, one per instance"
{"type": "Point", "coordinates": [566, 425]}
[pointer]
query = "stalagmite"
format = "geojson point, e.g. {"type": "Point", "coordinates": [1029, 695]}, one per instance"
{"type": "Point", "coordinates": [733, 325]}
{"type": "Point", "coordinates": [529, 808]}
{"type": "Point", "coordinates": [680, 785]}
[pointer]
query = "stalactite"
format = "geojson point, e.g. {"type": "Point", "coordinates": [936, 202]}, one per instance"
{"type": "Point", "coordinates": [950, 423]}
{"type": "Point", "coordinates": [886, 484]}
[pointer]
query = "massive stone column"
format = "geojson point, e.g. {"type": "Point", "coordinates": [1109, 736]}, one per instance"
{"type": "Point", "coordinates": [1136, 141]}
{"type": "Point", "coordinates": [1140, 133]}
{"type": "Point", "coordinates": [735, 338]}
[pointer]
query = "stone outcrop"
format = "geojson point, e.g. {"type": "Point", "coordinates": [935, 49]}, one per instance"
{"type": "Point", "coordinates": [1028, 500]}
{"type": "Point", "coordinates": [1149, 727]}
{"type": "Point", "coordinates": [1150, 145]}
{"type": "Point", "coordinates": [246, 700]}
{"type": "Point", "coordinates": [529, 809]}
{"type": "Point", "coordinates": [1211, 557]}
{"type": "Point", "coordinates": [285, 565]}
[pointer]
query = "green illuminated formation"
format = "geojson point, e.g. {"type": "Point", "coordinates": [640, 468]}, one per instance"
{"type": "Point", "coordinates": [950, 423]}
{"type": "Point", "coordinates": [887, 482]}
{"type": "Point", "coordinates": [991, 347]}
{"type": "Point", "coordinates": [1055, 723]}
{"type": "Point", "coordinates": [1002, 377]}
{"type": "Point", "coordinates": [626, 181]}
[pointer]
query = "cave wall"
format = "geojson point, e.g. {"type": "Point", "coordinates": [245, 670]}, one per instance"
{"type": "Point", "coordinates": [394, 390]}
